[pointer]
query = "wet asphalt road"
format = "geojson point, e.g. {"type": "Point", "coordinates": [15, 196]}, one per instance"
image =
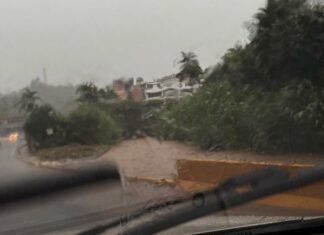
{"type": "Point", "coordinates": [14, 219]}
{"type": "Point", "coordinates": [84, 208]}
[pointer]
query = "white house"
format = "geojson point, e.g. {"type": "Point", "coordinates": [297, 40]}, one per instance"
{"type": "Point", "coordinates": [168, 88]}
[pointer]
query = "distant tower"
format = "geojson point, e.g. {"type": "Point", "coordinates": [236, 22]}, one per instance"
{"type": "Point", "coordinates": [44, 75]}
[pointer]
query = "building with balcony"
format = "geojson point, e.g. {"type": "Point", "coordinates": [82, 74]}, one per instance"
{"type": "Point", "coordinates": [168, 88]}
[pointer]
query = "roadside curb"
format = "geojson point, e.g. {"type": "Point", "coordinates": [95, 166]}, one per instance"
{"type": "Point", "coordinates": [66, 165]}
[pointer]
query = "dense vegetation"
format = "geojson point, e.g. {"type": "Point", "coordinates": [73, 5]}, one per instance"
{"type": "Point", "coordinates": [90, 125]}
{"type": "Point", "coordinates": [266, 95]}
{"type": "Point", "coordinates": [98, 119]}
{"type": "Point", "coordinates": [44, 128]}
{"type": "Point", "coordinates": [87, 124]}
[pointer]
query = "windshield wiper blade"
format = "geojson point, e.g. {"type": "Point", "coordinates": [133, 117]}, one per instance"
{"type": "Point", "coordinates": [147, 209]}
{"type": "Point", "coordinates": [298, 226]}
{"type": "Point", "coordinates": [14, 192]}
{"type": "Point", "coordinates": [235, 192]}
{"type": "Point", "coordinates": [253, 179]}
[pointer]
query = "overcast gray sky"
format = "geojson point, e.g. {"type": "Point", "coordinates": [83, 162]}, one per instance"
{"type": "Point", "coordinates": [99, 40]}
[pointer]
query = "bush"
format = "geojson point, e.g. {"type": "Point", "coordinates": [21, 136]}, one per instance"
{"type": "Point", "coordinates": [266, 95]}
{"type": "Point", "coordinates": [221, 116]}
{"type": "Point", "coordinates": [145, 118]}
{"type": "Point", "coordinates": [128, 115]}
{"type": "Point", "coordinates": [212, 118]}
{"type": "Point", "coordinates": [89, 125]}
{"type": "Point", "coordinates": [159, 122]}
{"type": "Point", "coordinates": [44, 128]}
{"type": "Point", "coordinates": [290, 120]}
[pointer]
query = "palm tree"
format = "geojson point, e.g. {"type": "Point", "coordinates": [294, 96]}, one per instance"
{"type": "Point", "coordinates": [189, 68]}
{"type": "Point", "coordinates": [28, 100]}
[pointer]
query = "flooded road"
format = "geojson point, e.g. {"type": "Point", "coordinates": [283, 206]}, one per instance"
{"type": "Point", "coordinates": [17, 219]}
{"type": "Point", "coordinates": [87, 207]}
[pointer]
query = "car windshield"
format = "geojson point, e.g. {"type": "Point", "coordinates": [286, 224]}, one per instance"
{"type": "Point", "coordinates": [180, 95]}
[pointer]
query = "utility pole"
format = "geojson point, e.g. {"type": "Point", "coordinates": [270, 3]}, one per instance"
{"type": "Point", "coordinates": [44, 75]}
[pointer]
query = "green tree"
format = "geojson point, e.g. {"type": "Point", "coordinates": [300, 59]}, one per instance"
{"type": "Point", "coordinates": [289, 41]}
{"type": "Point", "coordinates": [3, 107]}
{"type": "Point", "coordinates": [287, 45]}
{"type": "Point", "coordinates": [237, 66]}
{"type": "Point", "coordinates": [107, 93]}
{"type": "Point", "coordinates": [128, 115]}
{"type": "Point", "coordinates": [28, 100]}
{"type": "Point", "coordinates": [189, 68]}
{"type": "Point", "coordinates": [90, 93]}
{"type": "Point", "coordinates": [90, 125]}
{"type": "Point", "coordinates": [44, 128]}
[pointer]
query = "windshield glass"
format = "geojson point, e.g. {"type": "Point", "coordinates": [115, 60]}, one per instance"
{"type": "Point", "coordinates": [181, 95]}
